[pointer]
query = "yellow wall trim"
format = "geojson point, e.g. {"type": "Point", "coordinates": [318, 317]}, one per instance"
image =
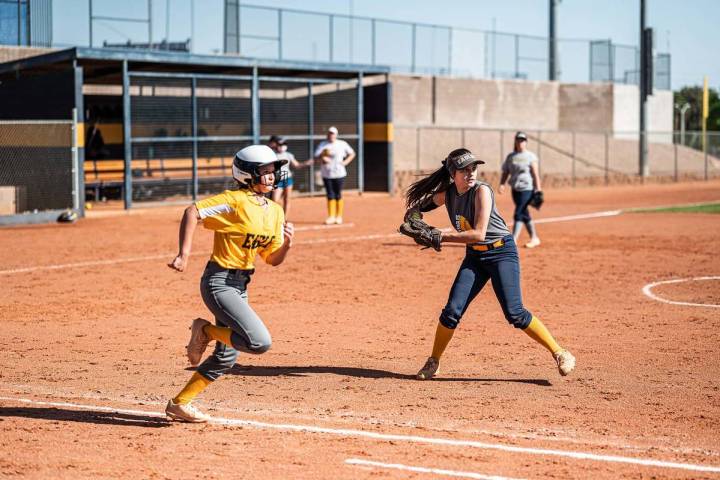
{"type": "Point", "coordinates": [378, 132]}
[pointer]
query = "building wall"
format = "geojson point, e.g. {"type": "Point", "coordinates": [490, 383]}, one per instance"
{"type": "Point", "coordinates": [8, 54]}
{"type": "Point", "coordinates": [586, 107]}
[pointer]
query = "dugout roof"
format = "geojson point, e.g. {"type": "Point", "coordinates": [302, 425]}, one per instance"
{"type": "Point", "coordinates": [104, 65]}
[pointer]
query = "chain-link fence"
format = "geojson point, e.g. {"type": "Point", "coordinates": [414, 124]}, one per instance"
{"type": "Point", "coordinates": [234, 27]}
{"type": "Point", "coordinates": [37, 167]}
{"type": "Point", "coordinates": [565, 157]}
{"type": "Point", "coordinates": [186, 128]}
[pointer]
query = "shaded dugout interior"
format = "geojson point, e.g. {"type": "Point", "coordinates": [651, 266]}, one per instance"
{"type": "Point", "coordinates": [186, 115]}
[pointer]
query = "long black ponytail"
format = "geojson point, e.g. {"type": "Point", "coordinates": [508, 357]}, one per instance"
{"type": "Point", "coordinates": [438, 181]}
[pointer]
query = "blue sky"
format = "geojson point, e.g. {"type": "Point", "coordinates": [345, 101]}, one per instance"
{"type": "Point", "coordinates": [684, 29]}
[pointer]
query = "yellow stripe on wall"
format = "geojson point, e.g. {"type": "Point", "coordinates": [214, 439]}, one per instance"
{"type": "Point", "coordinates": [378, 132]}
{"type": "Point", "coordinates": [80, 135]}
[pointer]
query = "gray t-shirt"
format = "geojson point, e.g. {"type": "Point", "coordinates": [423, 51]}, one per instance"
{"type": "Point", "coordinates": [289, 157]}
{"type": "Point", "coordinates": [461, 209]}
{"type": "Point", "coordinates": [517, 165]}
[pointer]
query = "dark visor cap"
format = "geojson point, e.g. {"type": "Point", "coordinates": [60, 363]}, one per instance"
{"type": "Point", "coordinates": [463, 161]}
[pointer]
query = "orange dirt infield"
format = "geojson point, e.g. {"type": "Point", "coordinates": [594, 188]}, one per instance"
{"type": "Point", "coordinates": [94, 326]}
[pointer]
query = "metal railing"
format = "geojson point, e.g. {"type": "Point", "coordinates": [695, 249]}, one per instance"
{"type": "Point", "coordinates": [597, 157]}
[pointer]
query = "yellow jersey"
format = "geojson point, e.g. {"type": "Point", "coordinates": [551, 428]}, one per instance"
{"type": "Point", "coordinates": [243, 226]}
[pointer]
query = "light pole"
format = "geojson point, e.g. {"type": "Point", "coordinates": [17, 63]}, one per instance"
{"type": "Point", "coordinates": [682, 109]}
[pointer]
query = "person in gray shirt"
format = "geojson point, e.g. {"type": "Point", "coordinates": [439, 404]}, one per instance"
{"type": "Point", "coordinates": [520, 168]}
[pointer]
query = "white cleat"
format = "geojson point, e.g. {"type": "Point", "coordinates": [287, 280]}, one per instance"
{"type": "Point", "coordinates": [338, 220]}
{"type": "Point", "coordinates": [535, 242]}
{"type": "Point", "coordinates": [429, 370]}
{"type": "Point", "coordinates": [565, 362]}
{"type": "Point", "coordinates": [185, 413]}
{"type": "Point", "coordinates": [198, 341]}
{"type": "Point", "coordinates": [330, 221]}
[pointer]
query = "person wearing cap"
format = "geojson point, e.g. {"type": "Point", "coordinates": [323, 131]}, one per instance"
{"type": "Point", "coordinates": [490, 254]}
{"type": "Point", "coordinates": [284, 188]}
{"type": "Point", "coordinates": [334, 155]}
{"type": "Point", "coordinates": [520, 168]}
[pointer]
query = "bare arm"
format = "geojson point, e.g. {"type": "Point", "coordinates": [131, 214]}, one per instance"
{"type": "Point", "coordinates": [187, 229]}
{"type": "Point", "coordinates": [278, 256]}
{"type": "Point", "coordinates": [503, 179]}
{"type": "Point", "coordinates": [349, 159]}
{"type": "Point", "coordinates": [483, 202]}
{"type": "Point", "coordinates": [535, 177]}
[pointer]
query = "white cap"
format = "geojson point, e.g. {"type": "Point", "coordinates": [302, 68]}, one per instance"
{"type": "Point", "coordinates": [333, 130]}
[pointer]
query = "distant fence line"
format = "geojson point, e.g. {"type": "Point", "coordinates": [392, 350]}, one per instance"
{"type": "Point", "coordinates": [574, 155]}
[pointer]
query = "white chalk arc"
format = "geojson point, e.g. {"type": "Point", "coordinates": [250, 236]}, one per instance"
{"type": "Point", "coordinates": [647, 290]}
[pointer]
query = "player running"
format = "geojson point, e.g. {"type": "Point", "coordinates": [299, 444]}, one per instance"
{"type": "Point", "coordinates": [245, 223]}
{"type": "Point", "coordinates": [490, 253]}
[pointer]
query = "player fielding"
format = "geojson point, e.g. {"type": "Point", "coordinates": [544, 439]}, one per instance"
{"type": "Point", "coordinates": [491, 253]}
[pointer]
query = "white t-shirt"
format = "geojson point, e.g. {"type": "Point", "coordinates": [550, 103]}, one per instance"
{"type": "Point", "coordinates": [339, 150]}
{"type": "Point", "coordinates": [289, 157]}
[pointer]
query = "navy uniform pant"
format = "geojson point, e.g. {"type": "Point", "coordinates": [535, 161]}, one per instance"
{"type": "Point", "coordinates": [502, 267]}
{"type": "Point", "coordinates": [225, 294]}
{"type": "Point", "coordinates": [333, 187]}
{"type": "Point", "coordinates": [522, 198]}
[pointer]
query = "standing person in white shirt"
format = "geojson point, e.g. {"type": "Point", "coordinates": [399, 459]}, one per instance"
{"type": "Point", "coordinates": [521, 169]}
{"type": "Point", "coordinates": [334, 155]}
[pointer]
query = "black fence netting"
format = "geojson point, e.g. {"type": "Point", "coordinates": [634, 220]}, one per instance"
{"type": "Point", "coordinates": [36, 166]}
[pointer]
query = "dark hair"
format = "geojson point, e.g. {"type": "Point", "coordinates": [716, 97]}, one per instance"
{"type": "Point", "coordinates": [438, 181]}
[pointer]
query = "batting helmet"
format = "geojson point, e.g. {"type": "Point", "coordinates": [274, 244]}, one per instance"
{"type": "Point", "coordinates": [247, 163]}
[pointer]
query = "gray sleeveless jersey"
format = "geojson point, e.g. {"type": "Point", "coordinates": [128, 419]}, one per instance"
{"type": "Point", "coordinates": [461, 209]}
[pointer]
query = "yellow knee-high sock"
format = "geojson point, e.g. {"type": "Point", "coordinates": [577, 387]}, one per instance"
{"type": "Point", "coordinates": [221, 334]}
{"type": "Point", "coordinates": [197, 384]}
{"type": "Point", "coordinates": [539, 332]}
{"type": "Point", "coordinates": [442, 338]}
{"type": "Point", "coordinates": [332, 208]}
{"type": "Point", "coordinates": [340, 204]}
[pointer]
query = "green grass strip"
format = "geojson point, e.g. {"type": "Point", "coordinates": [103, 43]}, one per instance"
{"type": "Point", "coordinates": [713, 207]}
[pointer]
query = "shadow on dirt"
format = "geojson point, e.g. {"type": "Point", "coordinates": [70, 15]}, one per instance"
{"type": "Point", "coordinates": [85, 416]}
{"type": "Point", "coordinates": [297, 371]}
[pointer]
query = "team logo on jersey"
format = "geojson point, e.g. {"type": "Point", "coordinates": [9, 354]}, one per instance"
{"type": "Point", "coordinates": [257, 241]}
{"type": "Point", "coordinates": [462, 224]}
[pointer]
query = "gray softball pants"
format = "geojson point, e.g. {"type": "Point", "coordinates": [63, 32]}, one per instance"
{"type": "Point", "coordinates": [225, 294]}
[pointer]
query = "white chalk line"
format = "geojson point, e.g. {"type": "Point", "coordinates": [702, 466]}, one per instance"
{"type": "Point", "coordinates": [554, 436]}
{"type": "Point", "coordinates": [353, 433]}
{"type": "Point", "coordinates": [435, 471]}
{"type": "Point", "coordinates": [647, 290]}
{"type": "Point", "coordinates": [356, 238]}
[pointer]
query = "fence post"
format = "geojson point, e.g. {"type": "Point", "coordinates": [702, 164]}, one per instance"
{"type": "Point", "coordinates": [675, 161]}
{"type": "Point", "coordinates": [450, 41]}
{"type": "Point", "coordinates": [255, 106]}
{"type": "Point", "coordinates": [705, 147]}
{"type": "Point", "coordinates": [462, 138]}
{"type": "Point", "coordinates": [75, 166]}
{"type": "Point", "coordinates": [280, 34]}
{"type": "Point", "coordinates": [361, 136]}
{"type": "Point", "coordinates": [127, 137]}
{"type": "Point", "coordinates": [412, 64]}
{"type": "Point", "coordinates": [573, 158]}
{"type": "Point", "coordinates": [331, 19]}
{"type": "Point", "coordinates": [193, 95]}
{"type": "Point", "coordinates": [517, 56]}
{"type": "Point", "coordinates": [372, 53]}
{"type": "Point", "coordinates": [607, 159]}
{"type": "Point", "coordinates": [311, 128]}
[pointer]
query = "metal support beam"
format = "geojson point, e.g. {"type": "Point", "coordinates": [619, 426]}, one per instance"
{"type": "Point", "coordinates": [361, 136]}
{"type": "Point", "coordinates": [414, 35]}
{"type": "Point", "coordinates": [311, 131]}
{"type": "Point", "coordinates": [552, 43]}
{"type": "Point", "coordinates": [642, 139]}
{"type": "Point", "coordinates": [255, 103]}
{"type": "Point", "coordinates": [195, 186]}
{"type": "Point", "coordinates": [279, 40]}
{"type": "Point", "coordinates": [127, 137]}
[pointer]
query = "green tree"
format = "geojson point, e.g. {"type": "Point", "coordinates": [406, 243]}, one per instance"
{"type": "Point", "coordinates": [693, 117]}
